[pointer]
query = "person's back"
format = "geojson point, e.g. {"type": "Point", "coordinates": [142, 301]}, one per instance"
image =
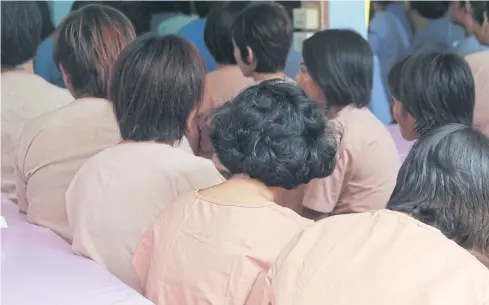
{"type": "Point", "coordinates": [25, 95]}
{"type": "Point", "coordinates": [240, 240]}
{"type": "Point", "coordinates": [119, 192]}
{"type": "Point", "coordinates": [382, 257]}
{"type": "Point", "coordinates": [129, 185]}
{"type": "Point", "coordinates": [209, 246]}
{"type": "Point", "coordinates": [54, 146]}
{"type": "Point", "coordinates": [357, 185]}
{"type": "Point", "coordinates": [433, 27]}
{"type": "Point", "coordinates": [397, 8]}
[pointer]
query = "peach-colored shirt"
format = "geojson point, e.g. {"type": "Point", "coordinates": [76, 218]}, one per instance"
{"type": "Point", "coordinates": [366, 168]}
{"type": "Point", "coordinates": [25, 96]}
{"type": "Point", "coordinates": [52, 149]}
{"type": "Point", "coordinates": [202, 251]}
{"type": "Point", "coordinates": [479, 64]}
{"type": "Point", "coordinates": [379, 258]}
{"type": "Point", "coordinates": [118, 193]}
{"type": "Point", "coordinates": [221, 86]}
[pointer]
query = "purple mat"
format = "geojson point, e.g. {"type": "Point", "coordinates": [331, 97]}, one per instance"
{"type": "Point", "coordinates": [38, 267]}
{"type": "Point", "coordinates": [403, 146]}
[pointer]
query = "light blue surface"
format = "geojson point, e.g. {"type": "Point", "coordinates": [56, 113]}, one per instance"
{"type": "Point", "coordinates": [194, 32]}
{"type": "Point", "coordinates": [348, 15]}
{"type": "Point", "coordinates": [379, 102]}
{"type": "Point", "coordinates": [44, 65]}
{"type": "Point", "coordinates": [397, 9]}
{"type": "Point", "coordinates": [388, 40]}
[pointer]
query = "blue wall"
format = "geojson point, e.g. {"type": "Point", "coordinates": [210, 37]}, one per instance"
{"type": "Point", "coordinates": [348, 14]}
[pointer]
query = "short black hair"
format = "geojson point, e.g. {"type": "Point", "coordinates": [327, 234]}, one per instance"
{"type": "Point", "coordinates": [157, 82]}
{"type": "Point", "coordinates": [443, 183]}
{"type": "Point", "coordinates": [138, 12]}
{"type": "Point", "coordinates": [218, 34]}
{"type": "Point", "coordinates": [437, 88]}
{"type": "Point", "coordinates": [21, 32]}
{"type": "Point", "coordinates": [47, 22]}
{"type": "Point", "coordinates": [341, 63]}
{"type": "Point", "coordinates": [266, 28]}
{"type": "Point", "coordinates": [430, 9]}
{"type": "Point", "coordinates": [202, 8]}
{"type": "Point", "coordinates": [274, 133]}
{"type": "Point", "coordinates": [394, 78]}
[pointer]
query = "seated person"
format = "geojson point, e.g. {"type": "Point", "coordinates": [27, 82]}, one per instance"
{"type": "Point", "coordinates": [479, 64]}
{"type": "Point", "coordinates": [368, 159]}
{"type": "Point", "coordinates": [434, 89]}
{"type": "Point", "coordinates": [407, 254]}
{"type": "Point", "coordinates": [119, 192]}
{"type": "Point", "coordinates": [387, 38]}
{"type": "Point", "coordinates": [44, 64]}
{"type": "Point", "coordinates": [466, 14]}
{"type": "Point", "coordinates": [24, 95]}
{"type": "Point", "coordinates": [226, 81]}
{"type": "Point", "coordinates": [53, 147]}
{"type": "Point", "coordinates": [433, 26]}
{"type": "Point", "coordinates": [209, 246]}
{"type": "Point", "coordinates": [193, 31]}
{"type": "Point", "coordinates": [262, 37]}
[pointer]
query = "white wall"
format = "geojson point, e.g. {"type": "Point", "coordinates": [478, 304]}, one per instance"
{"type": "Point", "coordinates": [348, 14]}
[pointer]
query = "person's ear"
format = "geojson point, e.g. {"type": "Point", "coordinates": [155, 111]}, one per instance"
{"type": "Point", "coordinates": [251, 58]}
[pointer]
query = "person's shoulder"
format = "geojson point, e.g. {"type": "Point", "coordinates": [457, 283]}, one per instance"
{"type": "Point", "coordinates": [478, 59]}
{"type": "Point", "coordinates": [289, 216]}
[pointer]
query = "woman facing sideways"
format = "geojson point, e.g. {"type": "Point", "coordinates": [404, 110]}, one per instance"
{"type": "Point", "coordinates": [368, 160]}
{"type": "Point", "coordinates": [209, 245]}
{"type": "Point", "coordinates": [156, 86]}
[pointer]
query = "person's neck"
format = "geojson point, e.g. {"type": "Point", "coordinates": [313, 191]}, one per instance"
{"type": "Point", "coordinates": [418, 21]}
{"type": "Point", "coordinates": [27, 67]}
{"type": "Point", "coordinates": [147, 142]}
{"type": "Point", "coordinates": [225, 66]}
{"type": "Point", "coordinates": [258, 77]}
{"type": "Point", "coordinates": [253, 187]}
{"type": "Point", "coordinates": [333, 111]}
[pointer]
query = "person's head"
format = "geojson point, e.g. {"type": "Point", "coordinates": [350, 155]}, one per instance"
{"type": "Point", "coordinates": [262, 37]}
{"type": "Point", "coordinates": [443, 183]}
{"type": "Point", "coordinates": [429, 9]}
{"type": "Point", "coordinates": [202, 8]}
{"type": "Point", "coordinates": [436, 88]}
{"type": "Point", "coordinates": [337, 68]}
{"type": "Point", "coordinates": [138, 12]}
{"type": "Point", "coordinates": [480, 24]}
{"type": "Point", "coordinates": [156, 84]}
{"type": "Point", "coordinates": [21, 32]}
{"type": "Point", "coordinates": [218, 36]}
{"type": "Point", "coordinates": [86, 46]}
{"type": "Point", "coordinates": [274, 133]}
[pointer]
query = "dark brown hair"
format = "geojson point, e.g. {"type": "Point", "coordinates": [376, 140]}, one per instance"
{"type": "Point", "coordinates": [87, 44]}
{"type": "Point", "coordinates": [157, 82]}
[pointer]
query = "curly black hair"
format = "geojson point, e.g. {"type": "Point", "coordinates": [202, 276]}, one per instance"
{"type": "Point", "coordinates": [274, 133]}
